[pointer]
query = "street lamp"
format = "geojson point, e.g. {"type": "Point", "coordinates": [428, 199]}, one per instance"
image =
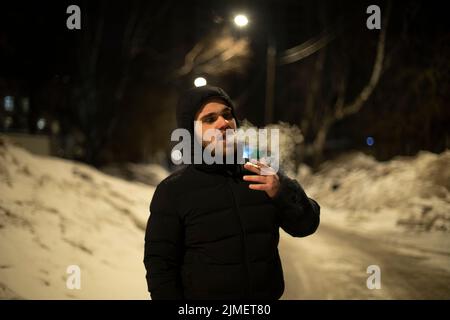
{"type": "Point", "coordinates": [273, 58]}
{"type": "Point", "coordinates": [241, 20]}
{"type": "Point", "coordinates": [200, 82]}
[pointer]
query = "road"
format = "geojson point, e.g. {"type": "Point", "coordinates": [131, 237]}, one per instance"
{"type": "Point", "coordinates": [332, 264]}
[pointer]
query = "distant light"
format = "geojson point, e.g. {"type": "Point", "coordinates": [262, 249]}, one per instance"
{"type": "Point", "coordinates": [55, 127]}
{"type": "Point", "coordinates": [370, 141]}
{"type": "Point", "coordinates": [8, 122]}
{"type": "Point", "coordinates": [41, 123]}
{"type": "Point", "coordinates": [9, 103]}
{"type": "Point", "coordinates": [176, 155]}
{"type": "Point", "coordinates": [200, 82]}
{"type": "Point", "coordinates": [241, 20]}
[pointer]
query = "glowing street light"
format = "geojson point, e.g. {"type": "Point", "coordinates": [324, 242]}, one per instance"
{"type": "Point", "coordinates": [41, 123]}
{"type": "Point", "coordinates": [200, 82]}
{"type": "Point", "coordinates": [240, 20]}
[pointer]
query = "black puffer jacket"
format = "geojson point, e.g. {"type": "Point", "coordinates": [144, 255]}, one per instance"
{"type": "Point", "coordinates": [211, 237]}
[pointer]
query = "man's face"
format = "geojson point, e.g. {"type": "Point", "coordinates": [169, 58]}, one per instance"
{"type": "Point", "coordinates": [216, 115]}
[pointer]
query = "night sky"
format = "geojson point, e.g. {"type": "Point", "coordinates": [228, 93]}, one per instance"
{"type": "Point", "coordinates": [111, 87]}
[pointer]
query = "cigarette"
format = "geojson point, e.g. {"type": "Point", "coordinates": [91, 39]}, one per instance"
{"type": "Point", "coordinates": [253, 165]}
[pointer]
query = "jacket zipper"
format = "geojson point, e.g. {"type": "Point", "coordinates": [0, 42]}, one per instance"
{"type": "Point", "coordinates": [244, 239]}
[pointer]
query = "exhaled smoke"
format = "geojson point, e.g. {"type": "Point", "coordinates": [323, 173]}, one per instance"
{"type": "Point", "coordinates": [275, 145]}
{"type": "Point", "coordinates": [290, 142]}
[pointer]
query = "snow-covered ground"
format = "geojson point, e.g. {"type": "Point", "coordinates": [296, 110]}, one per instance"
{"type": "Point", "coordinates": [55, 213]}
{"type": "Point", "coordinates": [406, 199]}
{"type": "Point", "coordinates": [151, 174]}
{"type": "Point", "coordinates": [394, 215]}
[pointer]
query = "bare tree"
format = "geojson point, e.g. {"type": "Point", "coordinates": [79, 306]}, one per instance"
{"type": "Point", "coordinates": [340, 110]}
{"type": "Point", "coordinates": [217, 54]}
{"type": "Point", "coordinates": [98, 113]}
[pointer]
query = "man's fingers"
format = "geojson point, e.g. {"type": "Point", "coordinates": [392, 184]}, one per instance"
{"type": "Point", "coordinates": [259, 168]}
{"type": "Point", "coordinates": [252, 167]}
{"type": "Point", "coordinates": [262, 187]}
{"type": "Point", "coordinates": [261, 164]}
{"type": "Point", "coordinates": [265, 169]}
{"type": "Point", "coordinates": [261, 179]}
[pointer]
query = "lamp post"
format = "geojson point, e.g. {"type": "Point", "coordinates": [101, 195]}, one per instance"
{"type": "Point", "coordinates": [270, 79]}
{"type": "Point", "coordinates": [241, 21]}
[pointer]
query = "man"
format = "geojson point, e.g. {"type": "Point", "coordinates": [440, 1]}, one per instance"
{"type": "Point", "coordinates": [213, 230]}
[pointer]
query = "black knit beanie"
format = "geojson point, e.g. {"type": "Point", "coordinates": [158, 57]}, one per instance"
{"type": "Point", "coordinates": [194, 99]}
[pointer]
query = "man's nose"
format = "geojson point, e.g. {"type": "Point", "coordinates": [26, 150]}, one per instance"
{"type": "Point", "coordinates": [222, 123]}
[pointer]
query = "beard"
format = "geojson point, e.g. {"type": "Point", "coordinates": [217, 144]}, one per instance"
{"type": "Point", "coordinates": [225, 148]}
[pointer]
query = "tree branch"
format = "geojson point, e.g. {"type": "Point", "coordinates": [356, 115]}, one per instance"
{"type": "Point", "coordinates": [364, 95]}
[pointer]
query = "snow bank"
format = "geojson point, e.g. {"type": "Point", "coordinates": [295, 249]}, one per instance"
{"type": "Point", "coordinates": [55, 213]}
{"type": "Point", "coordinates": [150, 174]}
{"type": "Point", "coordinates": [413, 191]}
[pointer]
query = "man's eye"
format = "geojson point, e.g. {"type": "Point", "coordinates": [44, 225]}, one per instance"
{"type": "Point", "coordinates": [209, 119]}
{"type": "Point", "coordinates": [227, 115]}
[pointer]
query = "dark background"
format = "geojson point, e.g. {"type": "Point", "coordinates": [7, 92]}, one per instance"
{"type": "Point", "coordinates": [108, 92]}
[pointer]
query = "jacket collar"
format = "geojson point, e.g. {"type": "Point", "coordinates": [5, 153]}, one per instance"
{"type": "Point", "coordinates": [234, 169]}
